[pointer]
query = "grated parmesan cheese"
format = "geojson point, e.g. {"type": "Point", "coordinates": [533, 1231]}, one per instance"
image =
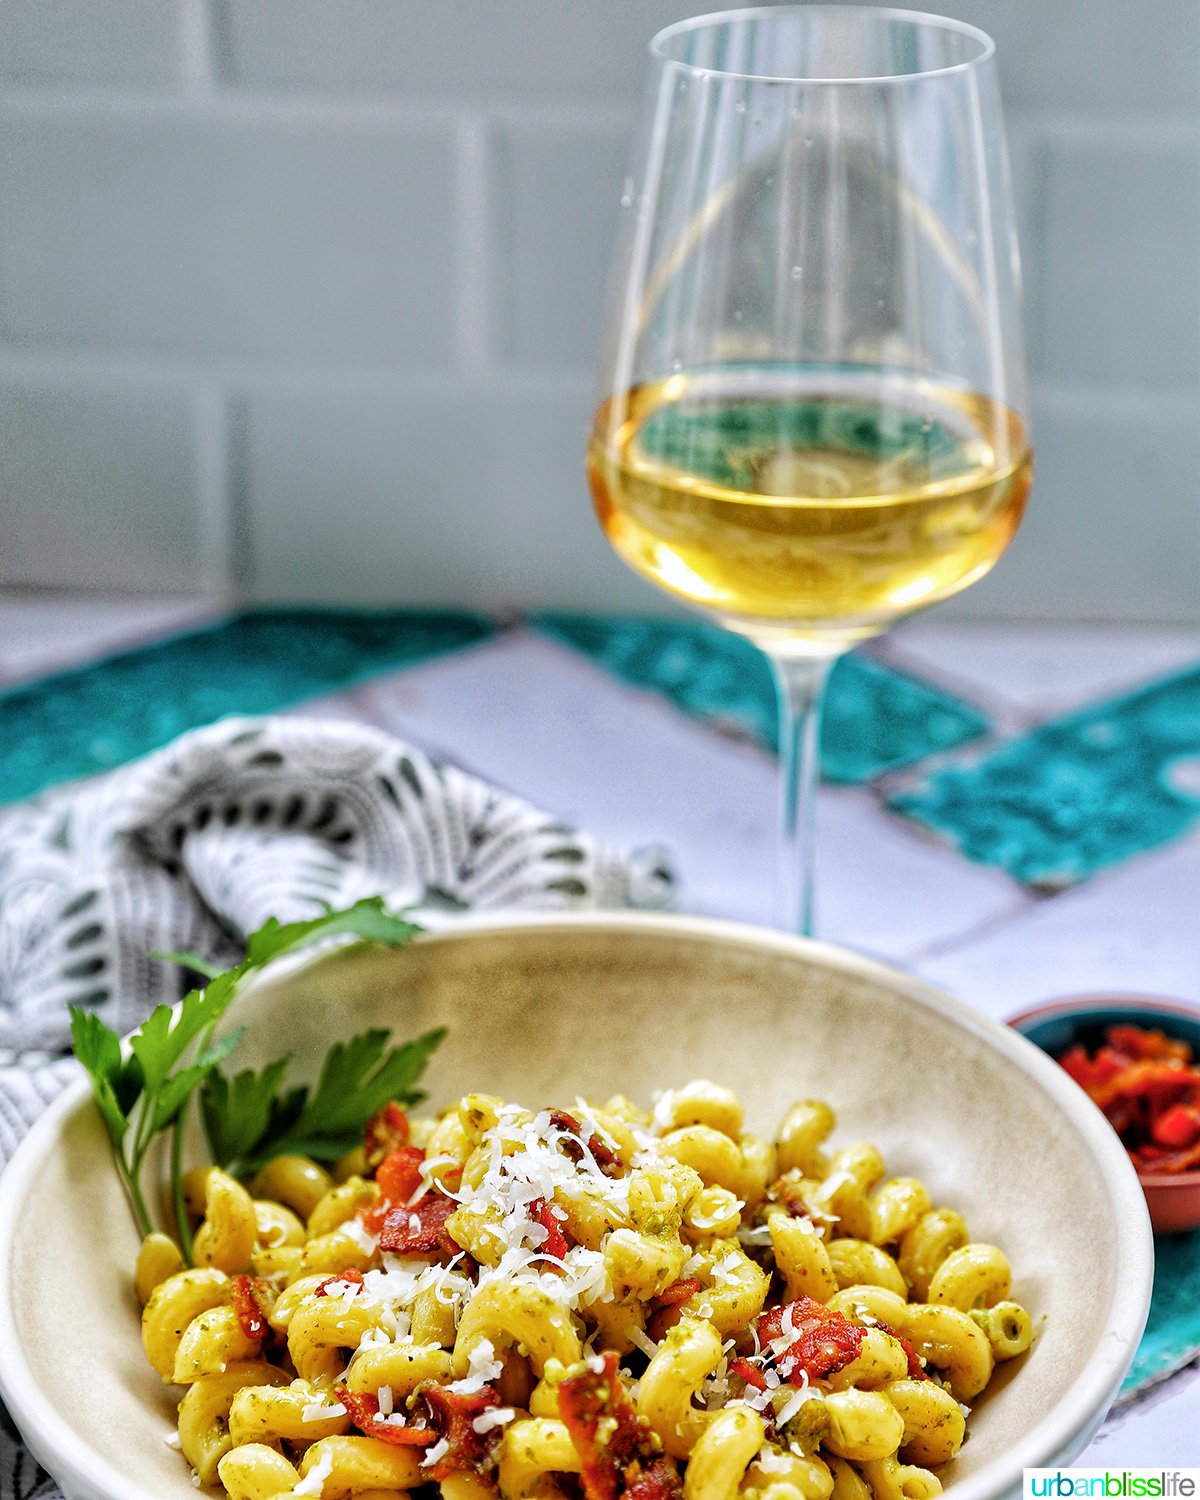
{"type": "Point", "coordinates": [317, 1411]}
{"type": "Point", "coordinates": [497, 1416]}
{"type": "Point", "coordinates": [757, 1234]}
{"type": "Point", "coordinates": [663, 1110]}
{"type": "Point", "coordinates": [482, 1368]}
{"type": "Point", "coordinates": [313, 1482]}
{"type": "Point", "coordinates": [528, 1158]}
{"type": "Point", "coordinates": [770, 1461]}
{"type": "Point", "coordinates": [641, 1340]}
{"type": "Point", "coordinates": [791, 1407]}
{"type": "Point", "coordinates": [357, 1232]}
{"type": "Point", "coordinates": [435, 1454]}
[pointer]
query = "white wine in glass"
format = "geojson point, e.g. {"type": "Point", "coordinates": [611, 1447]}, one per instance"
{"type": "Point", "coordinates": [811, 402]}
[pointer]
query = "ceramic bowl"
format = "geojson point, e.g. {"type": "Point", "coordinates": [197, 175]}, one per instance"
{"type": "Point", "coordinates": [1172, 1198]}
{"type": "Point", "coordinates": [545, 1008]}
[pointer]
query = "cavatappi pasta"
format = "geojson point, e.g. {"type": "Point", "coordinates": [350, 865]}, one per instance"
{"type": "Point", "coordinates": [588, 1302]}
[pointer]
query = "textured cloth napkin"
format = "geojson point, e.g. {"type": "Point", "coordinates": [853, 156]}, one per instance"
{"type": "Point", "coordinates": [197, 845]}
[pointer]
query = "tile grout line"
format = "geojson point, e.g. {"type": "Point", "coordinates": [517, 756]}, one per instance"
{"type": "Point", "coordinates": [203, 56]}
{"type": "Point", "coordinates": [215, 521]}
{"type": "Point", "coordinates": [204, 61]}
{"type": "Point", "coordinates": [199, 43]}
{"type": "Point", "coordinates": [1023, 904]}
{"type": "Point", "coordinates": [64, 365]}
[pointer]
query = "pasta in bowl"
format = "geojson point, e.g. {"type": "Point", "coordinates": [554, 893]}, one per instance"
{"type": "Point", "coordinates": [597, 1300]}
{"type": "Point", "coordinates": [970, 1121]}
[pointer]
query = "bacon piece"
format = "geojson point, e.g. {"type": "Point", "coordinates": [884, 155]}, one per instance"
{"type": "Point", "coordinates": [604, 1156]}
{"type": "Point", "coordinates": [660, 1481]}
{"type": "Point", "coordinates": [1124, 1115]}
{"type": "Point", "coordinates": [916, 1370]}
{"type": "Point", "coordinates": [386, 1132]}
{"type": "Point", "coordinates": [542, 1212]}
{"type": "Point", "coordinates": [399, 1174]}
{"type": "Point", "coordinates": [421, 1229]}
{"type": "Point", "coordinates": [452, 1416]}
{"type": "Point", "coordinates": [1149, 1090]}
{"type": "Point", "coordinates": [363, 1411]}
{"type": "Point", "coordinates": [679, 1291]}
{"type": "Point", "coordinates": [1142, 1042]}
{"type": "Point", "coordinates": [1157, 1082]}
{"type": "Point", "coordinates": [751, 1374]}
{"type": "Point", "coordinates": [1178, 1126]}
{"type": "Point", "coordinates": [615, 1446]}
{"type": "Point", "coordinates": [349, 1277]}
{"type": "Point", "coordinates": [823, 1342]}
{"type": "Point", "coordinates": [1090, 1073]}
{"type": "Point", "coordinates": [398, 1177]}
{"type": "Point", "coordinates": [788, 1192]}
{"type": "Point", "coordinates": [245, 1292]}
{"type": "Point", "coordinates": [1175, 1161]}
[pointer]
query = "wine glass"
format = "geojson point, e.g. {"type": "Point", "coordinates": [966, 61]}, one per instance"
{"type": "Point", "coordinates": [812, 396]}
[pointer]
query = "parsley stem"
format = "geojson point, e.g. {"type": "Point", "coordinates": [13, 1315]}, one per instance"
{"type": "Point", "coordinates": [134, 1189]}
{"type": "Point", "coordinates": [181, 1217]}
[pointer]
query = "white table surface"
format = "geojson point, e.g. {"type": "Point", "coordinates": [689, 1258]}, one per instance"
{"type": "Point", "coordinates": [542, 721]}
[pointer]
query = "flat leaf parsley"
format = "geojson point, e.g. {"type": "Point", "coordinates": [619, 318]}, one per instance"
{"type": "Point", "coordinates": [145, 1086]}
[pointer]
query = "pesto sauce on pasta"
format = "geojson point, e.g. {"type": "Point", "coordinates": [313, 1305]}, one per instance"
{"type": "Point", "coordinates": [594, 1301]}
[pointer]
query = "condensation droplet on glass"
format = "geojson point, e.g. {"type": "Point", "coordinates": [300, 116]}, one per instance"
{"type": "Point", "coordinates": [677, 365]}
{"type": "Point", "coordinates": [740, 106]}
{"type": "Point", "coordinates": [737, 315]}
{"type": "Point", "coordinates": [627, 194]}
{"type": "Point", "coordinates": [797, 272]}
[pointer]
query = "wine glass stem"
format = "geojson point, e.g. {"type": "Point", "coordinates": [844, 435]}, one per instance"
{"type": "Point", "coordinates": [800, 684]}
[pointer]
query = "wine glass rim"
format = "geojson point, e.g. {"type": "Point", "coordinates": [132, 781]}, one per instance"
{"type": "Point", "coordinates": [878, 12]}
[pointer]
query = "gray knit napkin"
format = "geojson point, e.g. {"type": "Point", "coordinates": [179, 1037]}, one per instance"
{"type": "Point", "coordinates": [197, 845]}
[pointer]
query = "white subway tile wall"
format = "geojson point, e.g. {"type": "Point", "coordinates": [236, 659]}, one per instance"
{"type": "Point", "coordinates": [1118, 296]}
{"type": "Point", "coordinates": [300, 298]}
{"type": "Point", "coordinates": [111, 43]}
{"type": "Point", "coordinates": [100, 486]}
{"type": "Point", "coordinates": [227, 237]}
{"type": "Point", "coordinates": [422, 496]}
{"type": "Point", "coordinates": [552, 195]}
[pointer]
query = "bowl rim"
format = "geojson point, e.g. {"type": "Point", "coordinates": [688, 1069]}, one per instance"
{"type": "Point", "coordinates": [69, 1458]}
{"type": "Point", "coordinates": [1078, 1005]}
{"type": "Point", "coordinates": [1149, 1005]}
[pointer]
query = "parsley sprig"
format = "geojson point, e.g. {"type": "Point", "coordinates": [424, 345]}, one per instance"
{"type": "Point", "coordinates": [144, 1087]}
{"type": "Point", "coordinates": [248, 1120]}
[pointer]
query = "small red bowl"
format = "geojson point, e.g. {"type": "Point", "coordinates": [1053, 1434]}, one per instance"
{"type": "Point", "coordinates": [1173, 1198]}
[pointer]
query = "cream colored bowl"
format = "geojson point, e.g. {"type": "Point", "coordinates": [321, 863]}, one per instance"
{"type": "Point", "coordinates": [542, 1009]}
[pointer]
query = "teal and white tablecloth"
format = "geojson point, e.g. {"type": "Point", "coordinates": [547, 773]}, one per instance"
{"type": "Point", "coordinates": [1010, 812]}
